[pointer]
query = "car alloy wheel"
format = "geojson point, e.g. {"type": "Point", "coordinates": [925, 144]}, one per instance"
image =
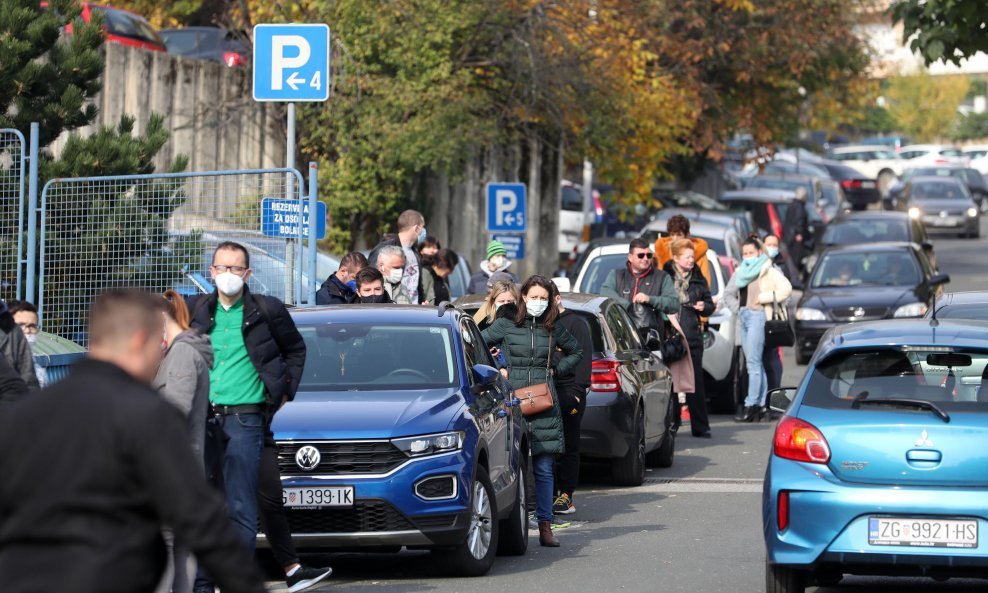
{"type": "Point", "coordinates": [480, 532]}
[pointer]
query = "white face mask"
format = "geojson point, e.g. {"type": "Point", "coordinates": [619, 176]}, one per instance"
{"type": "Point", "coordinates": [31, 339]}
{"type": "Point", "coordinates": [229, 283]}
{"type": "Point", "coordinates": [394, 276]}
{"type": "Point", "coordinates": [496, 262]}
{"type": "Point", "coordinates": [536, 308]}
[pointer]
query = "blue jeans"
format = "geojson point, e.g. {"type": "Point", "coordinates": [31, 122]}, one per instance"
{"type": "Point", "coordinates": [753, 344]}
{"type": "Point", "coordinates": [542, 466]}
{"type": "Point", "coordinates": [241, 471]}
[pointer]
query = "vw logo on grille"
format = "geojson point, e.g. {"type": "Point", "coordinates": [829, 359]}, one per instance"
{"type": "Point", "coordinates": [858, 312]}
{"type": "Point", "coordinates": [308, 458]}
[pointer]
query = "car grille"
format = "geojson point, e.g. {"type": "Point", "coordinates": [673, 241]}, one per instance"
{"type": "Point", "coordinates": [343, 458]}
{"type": "Point", "coordinates": [859, 313]}
{"type": "Point", "coordinates": [366, 516]}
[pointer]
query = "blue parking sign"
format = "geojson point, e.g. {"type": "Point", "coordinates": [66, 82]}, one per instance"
{"type": "Point", "coordinates": [506, 208]}
{"type": "Point", "coordinates": [291, 62]}
{"type": "Point", "coordinates": [514, 244]}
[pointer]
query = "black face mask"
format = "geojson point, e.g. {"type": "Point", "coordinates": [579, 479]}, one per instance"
{"type": "Point", "coordinates": [374, 299]}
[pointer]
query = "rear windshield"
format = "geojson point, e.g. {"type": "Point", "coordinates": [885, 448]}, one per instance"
{"type": "Point", "coordinates": [124, 24]}
{"type": "Point", "coordinates": [978, 311]}
{"type": "Point", "coordinates": [597, 270]}
{"type": "Point", "coordinates": [572, 199]}
{"type": "Point", "coordinates": [371, 357]}
{"type": "Point", "coordinates": [866, 231]}
{"type": "Point", "coordinates": [948, 377]}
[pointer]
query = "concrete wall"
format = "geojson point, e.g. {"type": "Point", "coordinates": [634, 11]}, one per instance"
{"type": "Point", "coordinates": [208, 107]}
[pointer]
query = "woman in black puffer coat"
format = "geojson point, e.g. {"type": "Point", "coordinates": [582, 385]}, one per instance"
{"type": "Point", "coordinates": [527, 342]}
{"type": "Point", "coordinates": [695, 303]}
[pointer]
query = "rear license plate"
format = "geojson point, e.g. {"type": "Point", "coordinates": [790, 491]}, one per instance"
{"type": "Point", "coordinates": [923, 532]}
{"type": "Point", "coordinates": [868, 185]}
{"type": "Point", "coordinates": [315, 498]}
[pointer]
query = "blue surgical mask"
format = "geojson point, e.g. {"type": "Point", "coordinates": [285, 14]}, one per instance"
{"type": "Point", "coordinates": [772, 252]}
{"type": "Point", "coordinates": [422, 236]}
{"type": "Point", "coordinates": [352, 285]}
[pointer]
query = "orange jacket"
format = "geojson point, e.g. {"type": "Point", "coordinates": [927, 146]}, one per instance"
{"type": "Point", "coordinates": [663, 253]}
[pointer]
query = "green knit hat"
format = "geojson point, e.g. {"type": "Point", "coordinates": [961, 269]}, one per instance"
{"type": "Point", "coordinates": [496, 247]}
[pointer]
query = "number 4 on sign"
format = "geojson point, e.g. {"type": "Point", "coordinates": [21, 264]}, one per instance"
{"type": "Point", "coordinates": [316, 82]}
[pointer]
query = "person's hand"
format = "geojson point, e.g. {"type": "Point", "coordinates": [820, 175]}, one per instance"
{"type": "Point", "coordinates": [799, 237]}
{"type": "Point", "coordinates": [640, 298]}
{"type": "Point", "coordinates": [504, 373]}
{"type": "Point", "coordinates": [698, 306]}
{"type": "Point", "coordinates": [495, 351]}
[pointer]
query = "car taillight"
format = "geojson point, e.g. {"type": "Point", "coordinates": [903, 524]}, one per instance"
{"type": "Point", "coordinates": [783, 509]}
{"type": "Point", "coordinates": [773, 219]}
{"type": "Point", "coordinates": [233, 59]}
{"type": "Point", "coordinates": [604, 375]}
{"type": "Point", "coordinates": [800, 441]}
{"type": "Point", "coordinates": [851, 184]}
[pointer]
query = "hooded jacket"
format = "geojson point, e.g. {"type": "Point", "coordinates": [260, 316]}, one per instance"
{"type": "Point", "coordinates": [527, 351]}
{"type": "Point", "coordinates": [334, 292]}
{"type": "Point", "coordinates": [183, 380]}
{"type": "Point", "coordinates": [478, 282]}
{"type": "Point", "coordinates": [663, 254]}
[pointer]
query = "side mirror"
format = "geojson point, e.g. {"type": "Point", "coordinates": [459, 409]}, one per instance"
{"type": "Point", "coordinates": [653, 341]}
{"type": "Point", "coordinates": [486, 377]}
{"type": "Point", "coordinates": [780, 399]}
{"type": "Point", "coordinates": [938, 279]}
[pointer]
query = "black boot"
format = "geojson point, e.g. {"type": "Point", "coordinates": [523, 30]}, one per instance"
{"type": "Point", "coordinates": [747, 414]}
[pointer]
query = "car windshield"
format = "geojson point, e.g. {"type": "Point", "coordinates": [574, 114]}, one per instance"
{"type": "Point", "coordinates": [865, 231]}
{"type": "Point", "coordinates": [377, 357]}
{"type": "Point", "coordinates": [118, 22]}
{"type": "Point", "coordinates": [977, 311]}
{"type": "Point", "coordinates": [933, 190]}
{"type": "Point", "coordinates": [572, 199]}
{"type": "Point", "coordinates": [883, 268]}
{"type": "Point", "coordinates": [597, 270]}
{"type": "Point", "coordinates": [951, 378]}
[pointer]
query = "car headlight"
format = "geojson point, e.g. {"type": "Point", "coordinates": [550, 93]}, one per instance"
{"type": "Point", "coordinates": [810, 314]}
{"type": "Point", "coordinates": [972, 212]}
{"type": "Point", "coordinates": [430, 444]}
{"type": "Point", "coordinates": [911, 310]}
{"type": "Point", "coordinates": [915, 212]}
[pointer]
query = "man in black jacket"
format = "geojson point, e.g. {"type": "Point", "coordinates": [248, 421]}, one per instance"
{"type": "Point", "coordinates": [341, 286]}
{"type": "Point", "coordinates": [572, 390]}
{"type": "Point", "coordinates": [259, 360]}
{"type": "Point", "coordinates": [95, 465]}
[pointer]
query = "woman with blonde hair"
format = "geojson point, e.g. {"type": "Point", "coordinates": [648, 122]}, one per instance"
{"type": "Point", "coordinates": [183, 380]}
{"type": "Point", "coordinates": [503, 293]}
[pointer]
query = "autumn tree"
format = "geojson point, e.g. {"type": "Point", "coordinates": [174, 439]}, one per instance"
{"type": "Point", "coordinates": [925, 106]}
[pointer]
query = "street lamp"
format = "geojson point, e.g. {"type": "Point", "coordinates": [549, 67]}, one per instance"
{"type": "Point", "coordinates": [799, 122]}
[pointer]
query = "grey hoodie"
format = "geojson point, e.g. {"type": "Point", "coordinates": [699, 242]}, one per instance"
{"type": "Point", "coordinates": [183, 380]}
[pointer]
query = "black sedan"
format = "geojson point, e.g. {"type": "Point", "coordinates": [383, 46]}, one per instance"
{"type": "Point", "coordinates": [874, 226]}
{"type": "Point", "coordinates": [864, 282]}
{"type": "Point", "coordinates": [859, 191]}
{"type": "Point", "coordinates": [971, 178]}
{"type": "Point", "coordinates": [942, 203]}
{"type": "Point", "coordinates": [961, 305]}
{"type": "Point", "coordinates": [630, 407]}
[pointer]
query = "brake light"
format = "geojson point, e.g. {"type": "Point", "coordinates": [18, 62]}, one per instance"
{"type": "Point", "coordinates": [851, 184]}
{"type": "Point", "coordinates": [774, 221]}
{"type": "Point", "coordinates": [604, 375]}
{"type": "Point", "coordinates": [783, 510]}
{"type": "Point", "coordinates": [800, 441]}
{"type": "Point", "coordinates": [233, 59]}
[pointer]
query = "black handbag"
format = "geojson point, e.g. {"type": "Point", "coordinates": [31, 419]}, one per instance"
{"type": "Point", "coordinates": [673, 346]}
{"type": "Point", "coordinates": [778, 330]}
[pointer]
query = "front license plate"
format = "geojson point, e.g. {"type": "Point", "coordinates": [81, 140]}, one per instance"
{"type": "Point", "coordinates": [941, 222]}
{"type": "Point", "coordinates": [316, 498]}
{"type": "Point", "coordinates": [923, 532]}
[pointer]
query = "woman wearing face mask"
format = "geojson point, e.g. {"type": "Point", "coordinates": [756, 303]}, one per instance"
{"type": "Point", "coordinates": [500, 302]}
{"type": "Point", "coordinates": [695, 302]}
{"type": "Point", "coordinates": [751, 294]}
{"type": "Point", "coordinates": [183, 380]}
{"type": "Point", "coordinates": [527, 342]}
{"type": "Point", "coordinates": [772, 357]}
{"type": "Point", "coordinates": [435, 286]}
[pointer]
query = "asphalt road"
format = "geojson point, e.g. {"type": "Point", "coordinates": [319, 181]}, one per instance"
{"type": "Point", "coordinates": [695, 527]}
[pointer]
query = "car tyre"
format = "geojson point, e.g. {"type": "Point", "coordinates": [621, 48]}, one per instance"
{"type": "Point", "coordinates": [784, 579]}
{"type": "Point", "coordinates": [663, 456]}
{"type": "Point", "coordinates": [475, 556]}
{"type": "Point", "coordinates": [630, 469]}
{"type": "Point", "coordinates": [731, 393]}
{"type": "Point", "coordinates": [513, 536]}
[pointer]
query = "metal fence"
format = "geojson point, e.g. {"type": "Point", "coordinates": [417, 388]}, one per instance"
{"type": "Point", "coordinates": [159, 231]}
{"type": "Point", "coordinates": [13, 155]}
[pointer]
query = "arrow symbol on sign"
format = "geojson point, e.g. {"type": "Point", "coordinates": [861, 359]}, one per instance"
{"type": "Point", "coordinates": [293, 81]}
{"type": "Point", "coordinates": [509, 218]}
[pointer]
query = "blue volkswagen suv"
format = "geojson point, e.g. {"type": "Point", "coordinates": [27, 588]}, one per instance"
{"type": "Point", "coordinates": [400, 436]}
{"type": "Point", "coordinates": [879, 465]}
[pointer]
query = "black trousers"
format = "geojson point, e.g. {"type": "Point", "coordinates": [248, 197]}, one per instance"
{"type": "Point", "coordinates": [271, 510]}
{"type": "Point", "coordinates": [772, 362]}
{"type": "Point", "coordinates": [568, 466]}
{"type": "Point", "coordinates": [696, 402]}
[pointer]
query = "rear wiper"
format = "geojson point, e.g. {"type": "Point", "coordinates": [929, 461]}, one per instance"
{"type": "Point", "coordinates": [921, 404]}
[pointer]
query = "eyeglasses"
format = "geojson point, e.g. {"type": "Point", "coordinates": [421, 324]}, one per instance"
{"type": "Point", "coordinates": [238, 270]}
{"type": "Point", "coordinates": [28, 327]}
{"type": "Point", "coordinates": [643, 255]}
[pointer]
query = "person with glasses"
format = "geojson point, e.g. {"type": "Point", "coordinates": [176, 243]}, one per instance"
{"type": "Point", "coordinates": [16, 345]}
{"type": "Point", "coordinates": [643, 289]}
{"type": "Point", "coordinates": [25, 315]}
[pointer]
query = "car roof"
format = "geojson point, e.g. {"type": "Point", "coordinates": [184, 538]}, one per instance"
{"type": "Point", "coordinates": [407, 314]}
{"type": "Point", "coordinates": [970, 297]}
{"type": "Point", "coordinates": [924, 147]}
{"type": "Point", "coordinates": [935, 179]}
{"type": "Point", "coordinates": [871, 215]}
{"type": "Point", "coordinates": [877, 246]}
{"type": "Point", "coordinates": [784, 176]}
{"type": "Point", "coordinates": [965, 333]}
{"type": "Point", "coordinates": [860, 148]}
{"type": "Point", "coordinates": [193, 29]}
{"type": "Point", "coordinates": [757, 194]}
{"type": "Point", "coordinates": [577, 301]}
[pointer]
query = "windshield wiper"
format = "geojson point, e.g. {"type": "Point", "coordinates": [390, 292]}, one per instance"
{"type": "Point", "coordinates": [921, 404]}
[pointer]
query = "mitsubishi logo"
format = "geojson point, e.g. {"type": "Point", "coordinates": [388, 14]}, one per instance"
{"type": "Point", "coordinates": [308, 458]}
{"type": "Point", "coordinates": [924, 441]}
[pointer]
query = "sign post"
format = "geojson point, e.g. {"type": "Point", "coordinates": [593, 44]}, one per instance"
{"type": "Point", "coordinates": [291, 64]}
